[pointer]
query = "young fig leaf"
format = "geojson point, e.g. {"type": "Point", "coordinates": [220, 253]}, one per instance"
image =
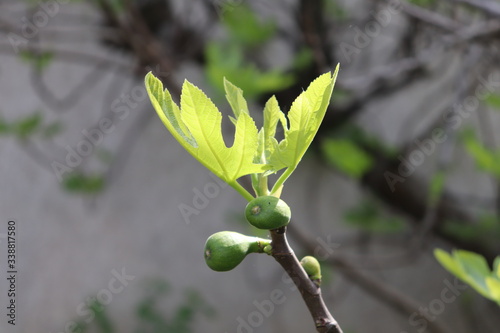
{"type": "Point", "coordinates": [305, 116]}
{"type": "Point", "coordinates": [197, 127]}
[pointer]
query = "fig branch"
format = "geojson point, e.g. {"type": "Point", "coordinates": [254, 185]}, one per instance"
{"type": "Point", "coordinates": [256, 153]}
{"type": "Point", "coordinates": [311, 293]}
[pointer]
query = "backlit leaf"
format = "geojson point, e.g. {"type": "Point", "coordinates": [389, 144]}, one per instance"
{"type": "Point", "coordinates": [197, 127]}
{"type": "Point", "coordinates": [305, 116]}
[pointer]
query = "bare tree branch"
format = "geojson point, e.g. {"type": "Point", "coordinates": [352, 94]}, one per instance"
{"type": "Point", "coordinates": [398, 301]}
{"type": "Point", "coordinates": [490, 7]}
{"type": "Point", "coordinates": [430, 17]}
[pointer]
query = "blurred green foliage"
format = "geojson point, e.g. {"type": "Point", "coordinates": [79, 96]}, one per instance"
{"type": "Point", "coordinates": [347, 157]}
{"type": "Point", "coordinates": [118, 6]}
{"type": "Point", "coordinates": [493, 100]}
{"type": "Point", "coordinates": [245, 27]}
{"type": "Point", "coordinates": [473, 269]}
{"type": "Point", "coordinates": [28, 126]}
{"type": "Point", "coordinates": [486, 230]}
{"type": "Point", "coordinates": [39, 61]}
{"type": "Point", "coordinates": [182, 320]}
{"type": "Point", "coordinates": [234, 56]}
{"type": "Point", "coordinates": [228, 61]}
{"type": "Point", "coordinates": [367, 216]}
{"type": "Point", "coordinates": [361, 137]}
{"type": "Point", "coordinates": [423, 3]}
{"type": "Point", "coordinates": [436, 187]}
{"type": "Point", "coordinates": [486, 159]}
{"type": "Point", "coordinates": [335, 10]}
{"type": "Point", "coordinates": [149, 319]}
{"type": "Point", "coordinates": [78, 182]}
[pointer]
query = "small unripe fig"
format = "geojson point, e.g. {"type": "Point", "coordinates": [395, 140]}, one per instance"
{"type": "Point", "coordinates": [268, 212]}
{"type": "Point", "coordinates": [312, 267]}
{"type": "Point", "coordinates": [225, 250]}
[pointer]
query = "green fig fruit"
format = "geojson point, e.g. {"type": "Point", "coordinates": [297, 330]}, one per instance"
{"type": "Point", "coordinates": [312, 267]}
{"type": "Point", "coordinates": [268, 212]}
{"type": "Point", "coordinates": [225, 250]}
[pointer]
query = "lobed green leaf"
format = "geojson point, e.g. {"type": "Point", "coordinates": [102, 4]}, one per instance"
{"type": "Point", "coordinates": [473, 269]}
{"type": "Point", "coordinates": [305, 116]}
{"type": "Point", "coordinates": [197, 127]}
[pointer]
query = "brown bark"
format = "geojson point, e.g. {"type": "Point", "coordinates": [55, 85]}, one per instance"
{"type": "Point", "coordinates": [282, 252]}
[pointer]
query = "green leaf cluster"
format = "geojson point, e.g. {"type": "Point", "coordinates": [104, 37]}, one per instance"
{"type": "Point", "coordinates": [181, 319]}
{"type": "Point", "coordinates": [118, 6]}
{"type": "Point", "coordinates": [473, 269]}
{"type": "Point", "coordinates": [423, 3]}
{"type": "Point", "coordinates": [493, 100]}
{"type": "Point", "coordinates": [486, 159]}
{"type": "Point", "coordinates": [236, 56]}
{"type": "Point", "coordinates": [486, 230]}
{"type": "Point", "coordinates": [436, 187]}
{"type": "Point", "coordinates": [227, 61]}
{"type": "Point", "coordinates": [244, 26]}
{"type": "Point", "coordinates": [78, 182]}
{"type": "Point", "coordinates": [196, 125]}
{"type": "Point", "coordinates": [148, 316]}
{"type": "Point", "coordinates": [347, 156]}
{"type": "Point", "coordinates": [336, 10]}
{"type": "Point", "coordinates": [27, 126]}
{"type": "Point", "coordinates": [40, 61]}
{"type": "Point", "coordinates": [368, 217]}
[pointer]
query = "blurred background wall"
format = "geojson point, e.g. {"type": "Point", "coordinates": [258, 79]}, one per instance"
{"type": "Point", "coordinates": [110, 220]}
